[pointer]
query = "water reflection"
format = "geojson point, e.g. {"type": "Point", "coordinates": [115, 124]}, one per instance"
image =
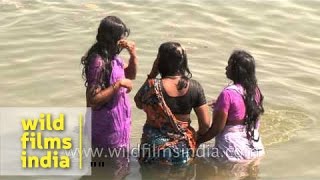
{"type": "Point", "coordinates": [209, 168]}
{"type": "Point", "coordinates": [202, 168]}
{"type": "Point", "coordinates": [162, 172]}
{"type": "Point", "coordinates": [112, 168]}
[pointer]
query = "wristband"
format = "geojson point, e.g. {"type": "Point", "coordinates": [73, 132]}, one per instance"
{"type": "Point", "coordinates": [114, 86]}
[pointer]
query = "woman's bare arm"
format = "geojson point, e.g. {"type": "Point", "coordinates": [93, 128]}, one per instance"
{"type": "Point", "coordinates": [203, 118]}
{"type": "Point", "coordinates": [130, 69]}
{"type": "Point", "coordinates": [97, 97]}
{"type": "Point", "coordinates": [138, 96]}
{"type": "Point", "coordinates": [219, 120]}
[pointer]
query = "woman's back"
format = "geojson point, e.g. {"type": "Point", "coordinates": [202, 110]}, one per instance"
{"type": "Point", "coordinates": [167, 103]}
{"type": "Point", "coordinates": [182, 101]}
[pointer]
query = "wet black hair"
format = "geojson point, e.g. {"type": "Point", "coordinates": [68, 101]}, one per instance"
{"type": "Point", "coordinates": [173, 61]}
{"type": "Point", "coordinates": [242, 71]}
{"type": "Point", "coordinates": [110, 31]}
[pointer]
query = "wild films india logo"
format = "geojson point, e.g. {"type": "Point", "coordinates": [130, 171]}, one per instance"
{"type": "Point", "coordinates": [38, 141]}
{"type": "Point", "coordinates": [51, 145]}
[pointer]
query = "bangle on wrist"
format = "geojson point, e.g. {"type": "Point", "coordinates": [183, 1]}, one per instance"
{"type": "Point", "coordinates": [114, 86]}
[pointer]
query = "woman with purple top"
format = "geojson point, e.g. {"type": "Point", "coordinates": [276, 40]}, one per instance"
{"type": "Point", "coordinates": [108, 80]}
{"type": "Point", "coordinates": [236, 113]}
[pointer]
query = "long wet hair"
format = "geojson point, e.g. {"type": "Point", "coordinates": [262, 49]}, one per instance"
{"type": "Point", "coordinates": [173, 61]}
{"type": "Point", "coordinates": [242, 66]}
{"type": "Point", "coordinates": [110, 31]}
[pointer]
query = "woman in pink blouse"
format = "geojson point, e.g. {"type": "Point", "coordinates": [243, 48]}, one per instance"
{"type": "Point", "coordinates": [236, 113]}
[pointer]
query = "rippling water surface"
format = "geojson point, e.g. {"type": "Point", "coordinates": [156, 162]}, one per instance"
{"type": "Point", "coordinates": [42, 42]}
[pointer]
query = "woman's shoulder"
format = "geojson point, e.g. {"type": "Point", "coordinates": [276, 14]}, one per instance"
{"type": "Point", "coordinates": [234, 89]}
{"type": "Point", "coordinates": [194, 87]}
{"type": "Point", "coordinates": [96, 60]}
{"type": "Point", "coordinates": [194, 83]}
{"type": "Point", "coordinates": [118, 58]}
{"type": "Point", "coordinates": [151, 82]}
{"type": "Point", "coordinates": [196, 91]}
{"type": "Point", "coordinates": [229, 93]}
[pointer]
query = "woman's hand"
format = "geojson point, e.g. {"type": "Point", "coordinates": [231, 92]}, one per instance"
{"type": "Point", "coordinates": [130, 68]}
{"type": "Point", "coordinates": [126, 83]}
{"type": "Point", "coordinates": [129, 45]}
{"type": "Point", "coordinates": [198, 139]}
{"type": "Point", "coordinates": [212, 104]}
